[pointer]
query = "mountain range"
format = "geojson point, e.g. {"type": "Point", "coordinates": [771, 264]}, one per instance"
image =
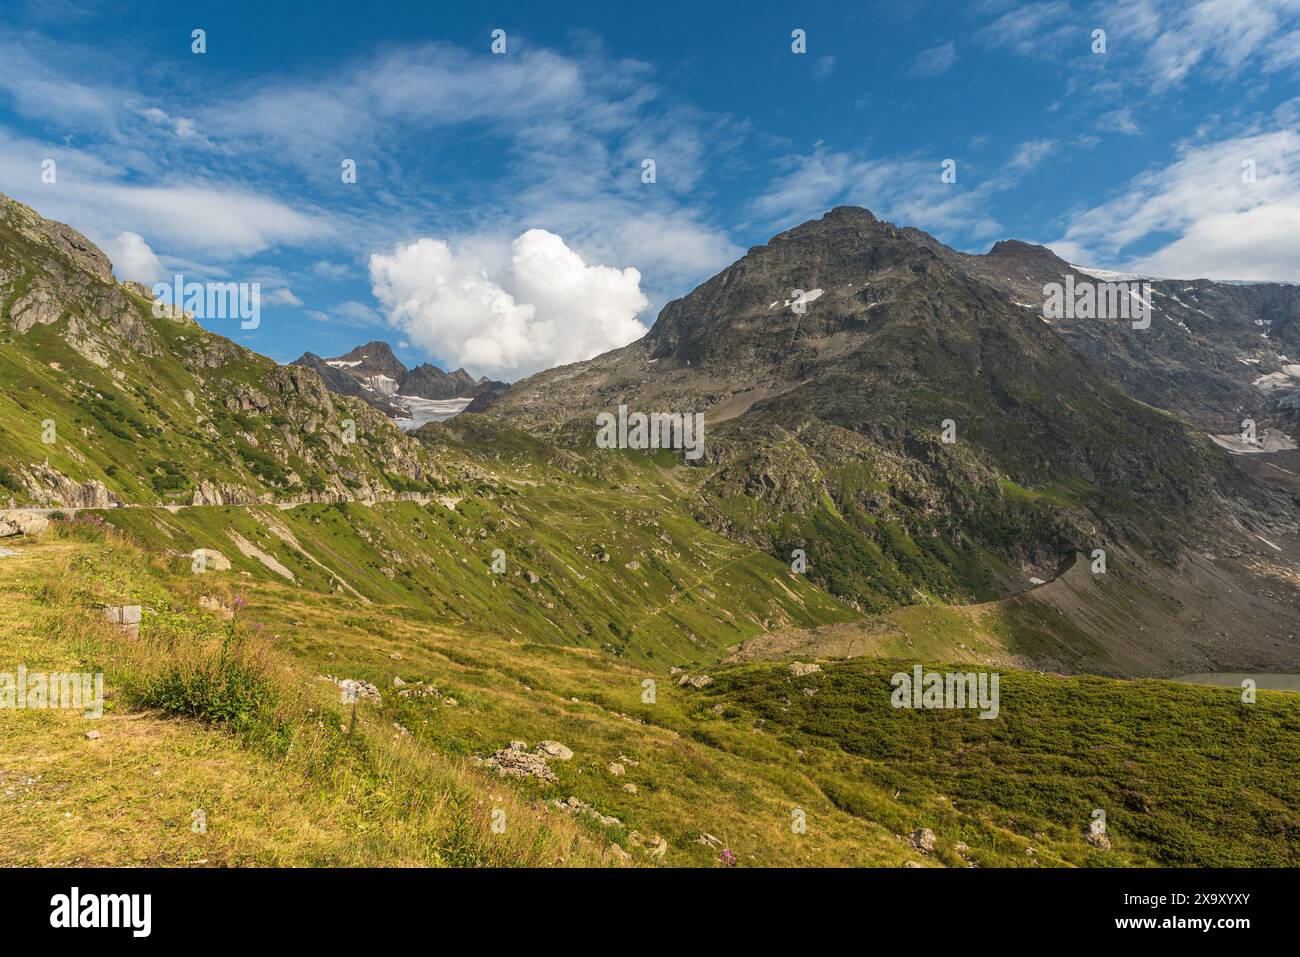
{"type": "Point", "coordinates": [373, 373]}
{"type": "Point", "coordinates": [904, 460]}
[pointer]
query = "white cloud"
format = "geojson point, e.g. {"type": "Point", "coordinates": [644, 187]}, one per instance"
{"type": "Point", "coordinates": [1159, 44]}
{"type": "Point", "coordinates": [352, 314]}
{"type": "Point", "coordinates": [1196, 218]}
{"type": "Point", "coordinates": [542, 307]}
{"type": "Point", "coordinates": [1030, 153]}
{"type": "Point", "coordinates": [1037, 29]}
{"type": "Point", "coordinates": [571, 131]}
{"type": "Point", "coordinates": [281, 297]}
{"type": "Point", "coordinates": [935, 60]}
{"type": "Point", "coordinates": [133, 259]}
{"type": "Point", "coordinates": [1222, 37]}
{"type": "Point", "coordinates": [328, 270]}
{"type": "Point", "coordinates": [905, 190]}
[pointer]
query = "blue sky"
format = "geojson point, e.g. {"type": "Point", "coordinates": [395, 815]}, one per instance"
{"type": "Point", "coordinates": [499, 219]}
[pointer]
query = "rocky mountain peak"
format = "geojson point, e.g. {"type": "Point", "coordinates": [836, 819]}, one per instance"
{"type": "Point", "coordinates": [57, 236]}
{"type": "Point", "coordinates": [375, 358]}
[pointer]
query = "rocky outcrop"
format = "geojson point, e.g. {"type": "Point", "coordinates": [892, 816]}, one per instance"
{"type": "Point", "coordinates": [210, 560]}
{"type": "Point", "coordinates": [353, 690]}
{"type": "Point", "coordinates": [71, 244]}
{"type": "Point", "coordinates": [694, 681]}
{"type": "Point", "coordinates": [516, 761]}
{"type": "Point", "coordinates": [211, 493]}
{"type": "Point", "coordinates": [49, 487]}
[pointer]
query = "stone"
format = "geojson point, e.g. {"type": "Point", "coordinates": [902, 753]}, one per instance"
{"type": "Point", "coordinates": [22, 523]}
{"type": "Point", "coordinates": [92, 735]}
{"type": "Point", "coordinates": [616, 769]}
{"type": "Point", "coordinates": [124, 617]}
{"type": "Point", "coordinates": [216, 605]}
{"type": "Point", "coordinates": [553, 750]}
{"type": "Point", "coordinates": [1097, 838]}
{"type": "Point", "coordinates": [799, 669]}
{"type": "Point", "coordinates": [619, 854]}
{"type": "Point", "coordinates": [923, 840]}
{"type": "Point", "coordinates": [517, 762]}
{"type": "Point", "coordinates": [356, 690]}
{"type": "Point", "coordinates": [211, 559]}
{"type": "Point", "coordinates": [694, 681]}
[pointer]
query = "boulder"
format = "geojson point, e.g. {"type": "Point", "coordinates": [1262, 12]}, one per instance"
{"type": "Point", "coordinates": [923, 840]}
{"type": "Point", "coordinates": [355, 690]}
{"type": "Point", "coordinates": [210, 560]}
{"type": "Point", "coordinates": [22, 523]}
{"type": "Point", "coordinates": [124, 617]}
{"type": "Point", "coordinates": [694, 681]}
{"type": "Point", "coordinates": [517, 762]}
{"type": "Point", "coordinates": [553, 750]}
{"type": "Point", "coordinates": [1097, 838]}
{"type": "Point", "coordinates": [799, 669]}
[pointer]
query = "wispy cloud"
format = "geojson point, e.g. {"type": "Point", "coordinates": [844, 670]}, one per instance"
{"type": "Point", "coordinates": [936, 60]}
{"type": "Point", "coordinates": [1228, 209]}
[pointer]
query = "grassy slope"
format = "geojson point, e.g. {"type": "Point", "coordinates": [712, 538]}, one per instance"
{"type": "Point", "coordinates": [130, 425]}
{"type": "Point", "coordinates": [1185, 774]}
{"type": "Point", "coordinates": [691, 595]}
{"type": "Point", "coordinates": [311, 796]}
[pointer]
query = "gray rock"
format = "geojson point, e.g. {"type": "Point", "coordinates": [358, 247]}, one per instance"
{"type": "Point", "coordinates": [923, 840]}
{"type": "Point", "coordinates": [22, 523]}
{"type": "Point", "coordinates": [517, 762]}
{"type": "Point", "coordinates": [553, 750]}
{"type": "Point", "coordinates": [694, 681]}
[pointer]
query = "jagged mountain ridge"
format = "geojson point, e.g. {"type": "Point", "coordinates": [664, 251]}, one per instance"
{"type": "Point", "coordinates": [372, 372]}
{"type": "Point", "coordinates": [1216, 352]}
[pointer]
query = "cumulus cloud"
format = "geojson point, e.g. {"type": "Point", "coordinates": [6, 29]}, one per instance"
{"type": "Point", "coordinates": [133, 259]}
{"type": "Point", "coordinates": [540, 307]}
